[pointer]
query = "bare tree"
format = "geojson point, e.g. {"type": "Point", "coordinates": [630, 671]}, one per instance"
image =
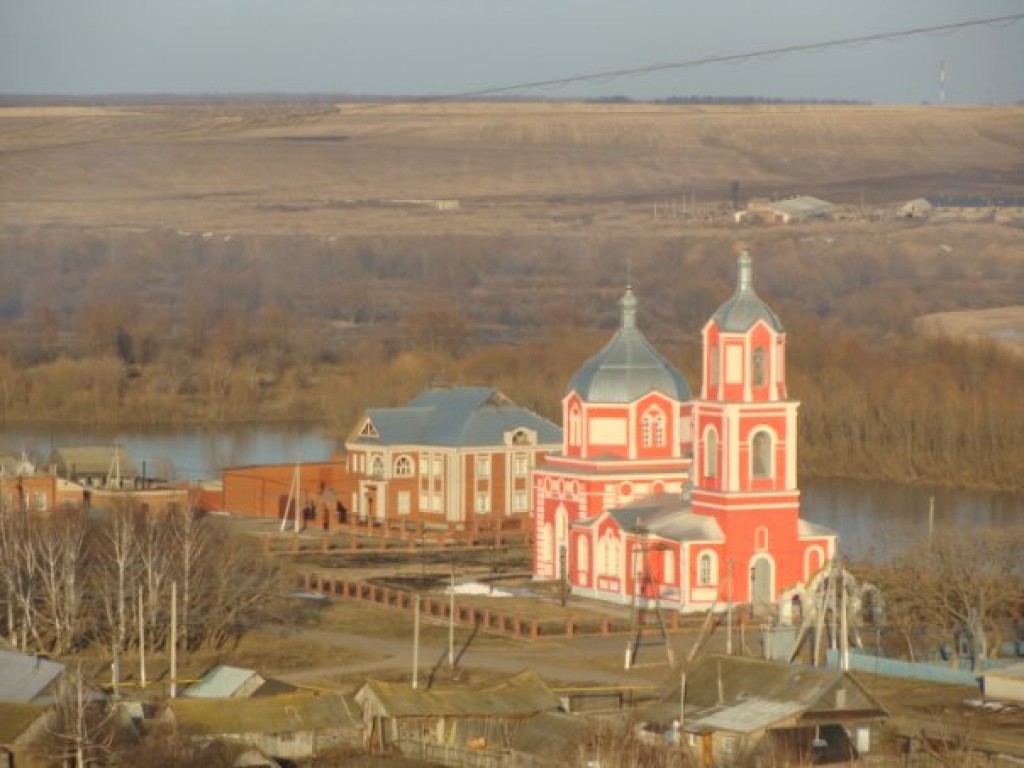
{"type": "Point", "coordinates": [81, 727]}
{"type": "Point", "coordinates": [62, 545]}
{"type": "Point", "coordinates": [956, 586]}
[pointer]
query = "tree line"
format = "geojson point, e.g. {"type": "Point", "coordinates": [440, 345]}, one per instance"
{"type": "Point", "coordinates": [165, 327]}
{"type": "Point", "coordinates": [72, 581]}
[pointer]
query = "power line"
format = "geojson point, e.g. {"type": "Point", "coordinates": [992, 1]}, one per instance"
{"type": "Point", "coordinates": [733, 58]}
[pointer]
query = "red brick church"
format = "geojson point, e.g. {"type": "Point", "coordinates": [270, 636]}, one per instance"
{"type": "Point", "coordinates": [656, 493]}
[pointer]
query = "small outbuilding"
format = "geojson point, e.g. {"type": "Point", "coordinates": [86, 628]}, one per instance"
{"type": "Point", "coordinates": [1004, 683]}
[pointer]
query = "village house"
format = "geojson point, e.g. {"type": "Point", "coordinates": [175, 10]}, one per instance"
{"type": "Point", "coordinates": [734, 706]}
{"type": "Point", "coordinates": [657, 495]}
{"type": "Point", "coordinates": [295, 726]}
{"type": "Point", "coordinates": [23, 729]}
{"type": "Point", "coordinates": [450, 456]}
{"type": "Point", "coordinates": [457, 725]}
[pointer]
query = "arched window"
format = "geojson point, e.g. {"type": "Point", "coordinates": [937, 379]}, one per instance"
{"type": "Point", "coordinates": [403, 466]}
{"type": "Point", "coordinates": [761, 454]}
{"type": "Point", "coordinates": [715, 367]}
{"type": "Point", "coordinates": [711, 453]}
{"type": "Point", "coordinates": [757, 367]}
{"type": "Point", "coordinates": [707, 572]}
{"type": "Point", "coordinates": [574, 426]}
{"type": "Point", "coordinates": [652, 428]}
{"type": "Point", "coordinates": [377, 466]}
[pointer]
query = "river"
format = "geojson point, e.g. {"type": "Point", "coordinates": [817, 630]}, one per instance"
{"type": "Point", "coordinates": [872, 519]}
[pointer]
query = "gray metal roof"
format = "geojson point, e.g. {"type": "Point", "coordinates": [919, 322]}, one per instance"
{"type": "Point", "coordinates": [746, 694]}
{"type": "Point", "coordinates": [456, 417]}
{"type": "Point", "coordinates": [26, 679]}
{"type": "Point", "coordinates": [807, 529]}
{"type": "Point", "coordinates": [628, 367]}
{"type": "Point", "coordinates": [667, 516]}
{"type": "Point", "coordinates": [751, 715]}
{"type": "Point", "coordinates": [745, 307]}
{"type": "Point", "coordinates": [221, 682]}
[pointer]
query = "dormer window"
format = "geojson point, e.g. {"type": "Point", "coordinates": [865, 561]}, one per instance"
{"type": "Point", "coordinates": [521, 437]}
{"type": "Point", "coordinates": [368, 430]}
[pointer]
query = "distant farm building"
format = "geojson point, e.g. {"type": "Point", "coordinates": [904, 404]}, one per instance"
{"type": "Point", "coordinates": [788, 211]}
{"type": "Point", "coordinates": [916, 209]}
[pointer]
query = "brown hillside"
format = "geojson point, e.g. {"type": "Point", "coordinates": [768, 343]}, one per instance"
{"type": "Point", "coordinates": [319, 167]}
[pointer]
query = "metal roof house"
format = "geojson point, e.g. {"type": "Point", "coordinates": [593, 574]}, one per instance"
{"type": "Point", "coordinates": [733, 706]}
{"type": "Point", "coordinates": [450, 456]}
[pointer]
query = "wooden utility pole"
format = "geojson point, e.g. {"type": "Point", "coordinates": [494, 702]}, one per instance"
{"type": "Point", "coordinates": [728, 607]}
{"type": "Point", "coordinates": [451, 620]}
{"type": "Point", "coordinates": [415, 641]}
{"type": "Point", "coordinates": [294, 499]}
{"type": "Point", "coordinates": [682, 700]}
{"type": "Point", "coordinates": [142, 642]}
{"type": "Point", "coordinates": [174, 639]}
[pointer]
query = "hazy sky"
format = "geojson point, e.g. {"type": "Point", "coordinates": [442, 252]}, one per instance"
{"type": "Point", "coordinates": [436, 47]}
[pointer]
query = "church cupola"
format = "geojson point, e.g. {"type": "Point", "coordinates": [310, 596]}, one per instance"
{"type": "Point", "coordinates": [628, 367]}
{"type": "Point", "coordinates": [745, 308]}
{"type": "Point", "coordinates": [744, 346]}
